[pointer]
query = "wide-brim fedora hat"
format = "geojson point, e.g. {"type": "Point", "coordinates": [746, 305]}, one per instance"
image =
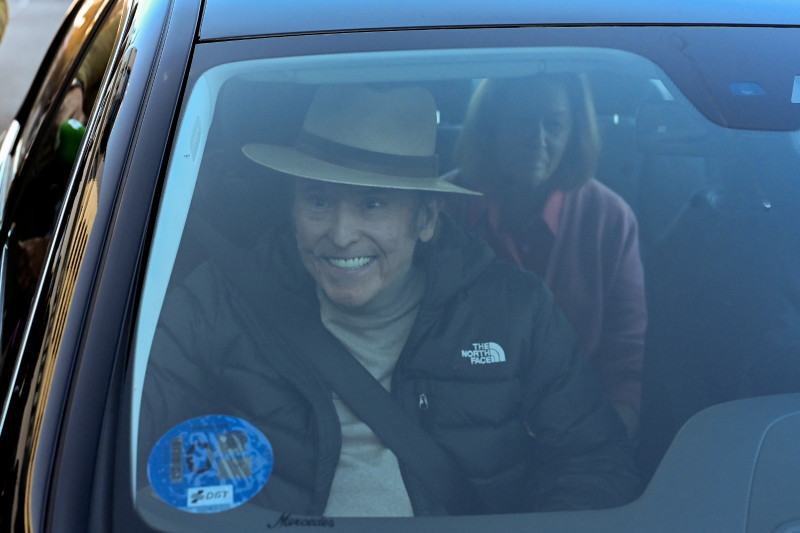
{"type": "Point", "coordinates": [359, 135]}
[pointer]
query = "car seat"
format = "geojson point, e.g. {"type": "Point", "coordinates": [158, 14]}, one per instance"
{"type": "Point", "coordinates": [724, 291]}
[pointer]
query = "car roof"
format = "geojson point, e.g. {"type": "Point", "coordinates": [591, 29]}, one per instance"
{"type": "Point", "coordinates": [224, 19]}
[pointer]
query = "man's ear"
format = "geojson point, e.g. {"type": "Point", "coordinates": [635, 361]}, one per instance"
{"type": "Point", "coordinates": [428, 217]}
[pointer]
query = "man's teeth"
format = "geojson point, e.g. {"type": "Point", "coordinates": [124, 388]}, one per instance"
{"type": "Point", "coordinates": [354, 262]}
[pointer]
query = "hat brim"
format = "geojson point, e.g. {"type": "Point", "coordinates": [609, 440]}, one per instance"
{"type": "Point", "coordinates": [291, 161]}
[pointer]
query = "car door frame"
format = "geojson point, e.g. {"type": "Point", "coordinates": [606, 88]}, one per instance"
{"type": "Point", "coordinates": [23, 135]}
{"type": "Point", "coordinates": [127, 148]}
{"type": "Point", "coordinates": [33, 380]}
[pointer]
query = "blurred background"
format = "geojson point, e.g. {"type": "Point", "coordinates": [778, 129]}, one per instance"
{"type": "Point", "coordinates": [31, 26]}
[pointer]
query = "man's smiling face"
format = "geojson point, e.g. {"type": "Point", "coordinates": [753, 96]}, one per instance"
{"type": "Point", "coordinates": [355, 241]}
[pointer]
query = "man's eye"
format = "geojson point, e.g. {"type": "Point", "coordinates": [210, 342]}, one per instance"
{"type": "Point", "coordinates": [555, 125]}
{"type": "Point", "coordinates": [373, 203]}
{"type": "Point", "coordinates": [318, 201]}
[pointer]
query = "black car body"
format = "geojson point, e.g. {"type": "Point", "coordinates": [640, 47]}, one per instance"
{"type": "Point", "coordinates": [697, 104]}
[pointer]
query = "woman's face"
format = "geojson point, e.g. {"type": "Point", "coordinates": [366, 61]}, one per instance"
{"type": "Point", "coordinates": [533, 130]}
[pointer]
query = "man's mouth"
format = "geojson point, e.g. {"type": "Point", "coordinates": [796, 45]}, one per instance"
{"type": "Point", "coordinates": [540, 162]}
{"type": "Point", "coordinates": [350, 263]}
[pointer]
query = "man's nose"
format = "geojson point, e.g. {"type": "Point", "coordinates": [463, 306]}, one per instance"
{"type": "Point", "coordinates": [539, 134]}
{"type": "Point", "coordinates": [345, 227]}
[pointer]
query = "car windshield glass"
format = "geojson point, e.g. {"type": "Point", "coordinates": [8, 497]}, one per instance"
{"type": "Point", "coordinates": [458, 281]}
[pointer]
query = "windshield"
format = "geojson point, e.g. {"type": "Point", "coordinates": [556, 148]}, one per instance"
{"type": "Point", "coordinates": [459, 280]}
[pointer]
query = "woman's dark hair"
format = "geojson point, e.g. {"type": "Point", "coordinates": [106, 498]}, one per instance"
{"type": "Point", "coordinates": [476, 158]}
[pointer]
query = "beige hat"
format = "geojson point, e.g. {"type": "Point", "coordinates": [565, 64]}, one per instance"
{"type": "Point", "coordinates": [358, 135]}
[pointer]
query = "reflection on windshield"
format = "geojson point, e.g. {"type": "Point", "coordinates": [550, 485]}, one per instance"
{"type": "Point", "coordinates": [418, 294]}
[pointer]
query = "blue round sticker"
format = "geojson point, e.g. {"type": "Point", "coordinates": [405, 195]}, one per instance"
{"type": "Point", "coordinates": [210, 464]}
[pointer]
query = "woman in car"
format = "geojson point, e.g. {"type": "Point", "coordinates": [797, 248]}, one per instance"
{"type": "Point", "coordinates": [531, 146]}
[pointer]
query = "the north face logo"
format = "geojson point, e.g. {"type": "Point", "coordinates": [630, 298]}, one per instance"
{"type": "Point", "coordinates": [483, 353]}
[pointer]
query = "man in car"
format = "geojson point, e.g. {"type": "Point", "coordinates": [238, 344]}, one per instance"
{"type": "Point", "coordinates": [472, 350]}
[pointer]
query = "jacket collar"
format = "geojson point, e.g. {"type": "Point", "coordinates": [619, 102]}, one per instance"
{"type": "Point", "coordinates": [451, 261]}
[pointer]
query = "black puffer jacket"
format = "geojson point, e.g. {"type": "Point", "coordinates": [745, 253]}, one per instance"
{"type": "Point", "coordinates": [531, 432]}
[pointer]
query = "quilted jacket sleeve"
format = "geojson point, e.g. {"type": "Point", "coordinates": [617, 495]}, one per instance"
{"type": "Point", "coordinates": [583, 458]}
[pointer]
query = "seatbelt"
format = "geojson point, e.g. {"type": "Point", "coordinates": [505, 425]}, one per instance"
{"type": "Point", "coordinates": [348, 378]}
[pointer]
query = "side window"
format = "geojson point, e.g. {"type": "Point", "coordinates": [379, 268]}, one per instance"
{"type": "Point", "coordinates": [53, 134]}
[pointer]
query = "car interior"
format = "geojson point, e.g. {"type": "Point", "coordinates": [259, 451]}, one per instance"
{"type": "Point", "coordinates": [716, 208]}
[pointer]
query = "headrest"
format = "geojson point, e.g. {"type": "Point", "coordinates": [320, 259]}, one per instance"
{"type": "Point", "coordinates": [670, 127]}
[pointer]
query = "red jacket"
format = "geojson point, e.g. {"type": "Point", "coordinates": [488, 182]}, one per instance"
{"type": "Point", "coordinates": [585, 246]}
